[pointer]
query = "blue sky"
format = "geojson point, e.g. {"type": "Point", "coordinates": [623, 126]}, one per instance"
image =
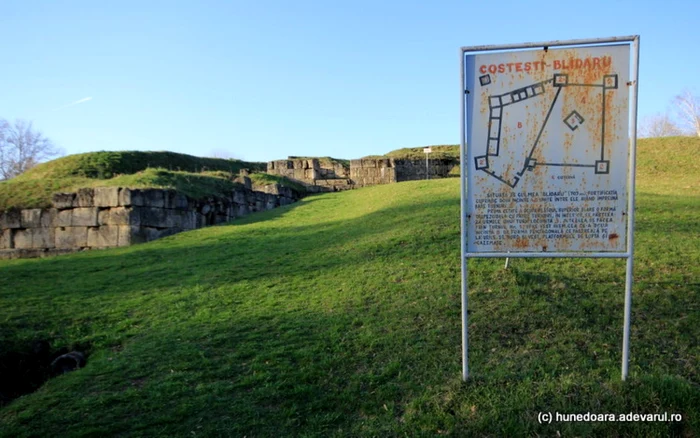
{"type": "Point", "coordinates": [261, 80]}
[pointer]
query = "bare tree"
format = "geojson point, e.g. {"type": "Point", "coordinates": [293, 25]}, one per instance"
{"type": "Point", "coordinates": [222, 153]}
{"type": "Point", "coordinates": [658, 125]}
{"type": "Point", "coordinates": [688, 111]}
{"type": "Point", "coordinates": [22, 148]}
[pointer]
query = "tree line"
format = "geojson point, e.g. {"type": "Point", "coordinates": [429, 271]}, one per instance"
{"type": "Point", "coordinates": [22, 147]}
{"type": "Point", "coordinates": [683, 119]}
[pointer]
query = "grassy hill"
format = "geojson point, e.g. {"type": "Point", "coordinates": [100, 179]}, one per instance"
{"type": "Point", "coordinates": [104, 165]}
{"type": "Point", "coordinates": [665, 164]}
{"type": "Point", "coordinates": [340, 316]}
{"type": "Point", "coordinates": [669, 165]}
{"type": "Point", "coordinates": [438, 151]}
{"type": "Point", "coordinates": [194, 176]}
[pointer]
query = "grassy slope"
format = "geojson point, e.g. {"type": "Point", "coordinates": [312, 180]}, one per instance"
{"type": "Point", "coordinates": [669, 165]}
{"type": "Point", "coordinates": [339, 315]}
{"type": "Point", "coordinates": [666, 165]}
{"type": "Point", "coordinates": [108, 164]}
{"type": "Point", "coordinates": [438, 151]}
{"type": "Point", "coordinates": [194, 176]}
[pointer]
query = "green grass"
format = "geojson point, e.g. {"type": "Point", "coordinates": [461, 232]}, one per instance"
{"type": "Point", "coordinates": [669, 165]}
{"type": "Point", "coordinates": [665, 164]}
{"type": "Point", "coordinates": [38, 193]}
{"type": "Point", "coordinates": [193, 175]}
{"type": "Point", "coordinates": [340, 316]}
{"type": "Point", "coordinates": [263, 179]}
{"type": "Point", "coordinates": [437, 152]}
{"type": "Point", "coordinates": [105, 165]}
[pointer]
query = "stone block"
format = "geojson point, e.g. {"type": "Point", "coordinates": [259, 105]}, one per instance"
{"type": "Point", "coordinates": [71, 237]}
{"type": "Point", "coordinates": [247, 183]}
{"type": "Point", "coordinates": [271, 201]}
{"type": "Point", "coordinates": [200, 220]}
{"type": "Point", "coordinates": [188, 219]}
{"type": "Point", "coordinates": [64, 218]}
{"type": "Point", "coordinates": [106, 197]}
{"type": "Point", "coordinates": [10, 254]}
{"type": "Point", "coordinates": [84, 217]}
{"type": "Point", "coordinates": [243, 210]}
{"type": "Point", "coordinates": [178, 201]}
{"type": "Point", "coordinates": [23, 239]}
{"type": "Point", "coordinates": [155, 217]}
{"type": "Point", "coordinates": [286, 191]}
{"type": "Point", "coordinates": [205, 208]}
{"type": "Point", "coordinates": [64, 200]}
{"type": "Point", "coordinates": [103, 237]}
{"type": "Point", "coordinates": [31, 218]}
{"type": "Point", "coordinates": [369, 163]}
{"type": "Point", "coordinates": [239, 197]}
{"type": "Point", "coordinates": [129, 197]}
{"type": "Point", "coordinates": [11, 219]}
{"type": "Point", "coordinates": [231, 211]}
{"type": "Point", "coordinates": [6, 240]}
{"type": "Point", "coordinates": [129, 235]}
{"type": "Point", "coordinates": [48, 217]}
{"type": "Point", "coordinates": [117, 216]}
{"type": "Point", "coordinates": [147, 234]}
{"type": "Point", "coordinates": [154, 198]}
{"type": "Point", "coordinates": [54, 252]}
{"type": "Point", "coordinates": [86, 197]}
{"type": "Point", "coordinates": [43, 237]}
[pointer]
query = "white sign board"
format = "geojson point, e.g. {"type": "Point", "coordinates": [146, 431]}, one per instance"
{"type": "Point", "coordinates": [427, 150]}
{"type": "Point", "coordinates": [547, 149]}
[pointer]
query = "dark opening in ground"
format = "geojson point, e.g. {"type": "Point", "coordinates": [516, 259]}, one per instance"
{"type": "Point", "coordinates": [24, 368]}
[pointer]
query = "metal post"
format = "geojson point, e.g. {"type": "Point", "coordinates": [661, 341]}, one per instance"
{"type": "Point", "coordinates": [463, 222]}
{"type": "Point", "coordinates": [630, 212]}
{"type": "Point", "coordinates": [427, 167]}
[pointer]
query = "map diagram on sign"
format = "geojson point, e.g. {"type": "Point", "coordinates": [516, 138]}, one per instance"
{"type": "Point", "coordinates": [547, 148]}
{"type": "Point", "coordinates": [558, 122]}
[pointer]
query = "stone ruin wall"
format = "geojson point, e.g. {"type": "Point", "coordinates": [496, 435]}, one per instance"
{"type": "Point", "coordinates": [113, 217]}
{"type": "Point", "coordinates": [363, 172]}
{"type": "Point", "coordinates": [411, 170]}
{"type": "Point", "coordinates": [367, 172]}
{"type": "Point", "coordinates": [315, 175]}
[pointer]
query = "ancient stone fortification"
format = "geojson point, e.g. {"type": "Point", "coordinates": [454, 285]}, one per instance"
{"type": "Point", "coordinates": [367, 172]}
{"type": "Point", "coordinates": [317, 175]}
{"type": "Point", "coordinates": [362, 172]}
{"type": "Point", "coordinates": [112, 216]}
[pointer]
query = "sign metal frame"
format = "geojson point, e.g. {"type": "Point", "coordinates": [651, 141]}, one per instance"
{"type": "Point", "coordinates": [628, 254]}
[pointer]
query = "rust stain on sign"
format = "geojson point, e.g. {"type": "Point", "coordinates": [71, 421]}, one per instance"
{"type": "Point", "coordinates": [548, 151]}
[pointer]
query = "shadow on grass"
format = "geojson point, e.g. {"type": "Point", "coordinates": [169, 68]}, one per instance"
{"type": "Point", "coordinates": [243, 329]}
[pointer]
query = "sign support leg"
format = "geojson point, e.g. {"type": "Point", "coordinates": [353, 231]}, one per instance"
{"type": "Point", "coordinates": [465, 322]}
{"type": "Point", "coordinates": [628, 315]}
